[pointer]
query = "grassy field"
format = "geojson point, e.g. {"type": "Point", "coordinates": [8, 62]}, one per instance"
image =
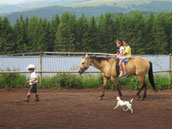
{"type": "Point", "coordinates": [9, 81]}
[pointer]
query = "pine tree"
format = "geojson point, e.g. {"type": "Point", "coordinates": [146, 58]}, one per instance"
{"type": "Point", "coordinates": [159, 35]}
{"type": "Point", "coordinates": [42, 35]}
{"type": "Point", "coordinates": [20, 37]}
{"type": "Point", "coordinates": [106, 32]}
{"type": "Point", "coordinates": [149, 47]}
{"type": "Point", "coordinates": [66, 34]}
{"type": "Point", "coordinates": [82, 34]}
{"type": "Point", "coordinates": [1, 38]}
{"type": "Point", "coordinates": [7, 44]}
{"type": "Point", "coordinates": [32, 31]}
{"type": "Point", "coordinates": [93, 41]}
{"type": "Point", "coordinates": [138, 40]}
{"type": "Point", "coordinates": [101, 32]}
{"type": "Point", "coordinates": [169, 32]}
{"type": "Point", "coordinates": [53, 27]}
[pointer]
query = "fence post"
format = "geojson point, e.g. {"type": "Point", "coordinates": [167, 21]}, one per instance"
{"type": "Point", "coordinates": [40, 68]}
{"type": "Point", "coordinates": [170, 68]}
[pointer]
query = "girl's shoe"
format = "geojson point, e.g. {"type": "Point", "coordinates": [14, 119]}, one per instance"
{"type": "Point", "coordinates": [124, 75]}
{"type": "Point", "coordinates": [121, 74]}
{"type": "Point", "coordinates": [37, 98]}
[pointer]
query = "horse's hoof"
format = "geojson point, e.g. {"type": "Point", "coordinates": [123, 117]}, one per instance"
{"type": "Point", "coordinates": [142, 98]}
{"type": "Point", "coordinates": [100, 98]}
{"type": "Point", "coordinates": [137, 98]}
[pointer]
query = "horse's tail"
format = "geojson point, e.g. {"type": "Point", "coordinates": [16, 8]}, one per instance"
{"type": "Point", "coordinates": [151, 78]}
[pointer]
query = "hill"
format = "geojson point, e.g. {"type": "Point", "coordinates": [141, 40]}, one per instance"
{"type": "Point", "coordinates": [9, 7]}
{"type": "Point", "coordinates": [94, 9]}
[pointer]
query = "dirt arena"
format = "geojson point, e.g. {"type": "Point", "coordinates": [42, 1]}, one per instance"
{"type": "Point", "coordinates": [80, 109]}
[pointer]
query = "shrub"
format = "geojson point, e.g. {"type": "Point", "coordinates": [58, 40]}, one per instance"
{"type": "Point", "coordinates": [74, 81]}
{"type": "Point", "coordinates": [12, 81]}
{"type": "Point", "coordinates": [91, 81]}
{"type": "Point", "coordinates": [70, 81]}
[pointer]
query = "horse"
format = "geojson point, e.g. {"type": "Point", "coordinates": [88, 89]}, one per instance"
{"type": "Point", "coordinates": [138, 66]}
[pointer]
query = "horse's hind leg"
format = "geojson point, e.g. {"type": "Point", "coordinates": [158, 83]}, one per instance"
{"type": "Point", "coordinates": [142, 82]}
{"type": "Point", "coordinates": [145, 89]}
{"type": "Point", "coordinates": [105, 80]}
{"type": "Point", "coordinates": [116, 84]}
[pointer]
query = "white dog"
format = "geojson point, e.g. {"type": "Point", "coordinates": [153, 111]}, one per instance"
{"type": "Point", "coordinates": [127, 104]}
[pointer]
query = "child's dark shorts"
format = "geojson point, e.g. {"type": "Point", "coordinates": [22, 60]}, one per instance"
{"type": "Point", "coordinates": [33, 88]}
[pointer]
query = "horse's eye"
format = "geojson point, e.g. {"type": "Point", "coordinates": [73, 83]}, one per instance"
{"type": "Point", "coordinates": [83, 63]}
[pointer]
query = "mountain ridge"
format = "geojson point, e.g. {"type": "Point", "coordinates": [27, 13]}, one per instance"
{"type": "Point", "coordinates": [49, 11]}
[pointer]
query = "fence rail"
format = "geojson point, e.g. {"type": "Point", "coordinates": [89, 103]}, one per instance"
{"type": "Point", "coordinates": [60, 53]}
{"type": "Point", "coordinates": [15, 72]}
{"type": "Point", "coordinates": [41, 54]}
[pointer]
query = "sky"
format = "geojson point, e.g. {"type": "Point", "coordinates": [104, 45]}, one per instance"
{"type": "Point", "coordinates": [11, 1]}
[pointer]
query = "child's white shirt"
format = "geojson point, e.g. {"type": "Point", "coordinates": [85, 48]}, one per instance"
{"type": "Point", "coordinates": [120, 51]}
{"type": "Point", "coordinates": [33, 76]}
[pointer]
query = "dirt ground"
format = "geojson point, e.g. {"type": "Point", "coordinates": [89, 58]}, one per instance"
{"type": "Point", "coordinates": [80, 109]}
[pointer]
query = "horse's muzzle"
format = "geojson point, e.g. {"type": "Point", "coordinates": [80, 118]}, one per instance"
{"type": "Point", "coordinates": [81, 71]}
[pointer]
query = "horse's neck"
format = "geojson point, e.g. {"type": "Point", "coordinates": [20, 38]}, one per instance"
{"type": "Point", "coordinates": [96, 64]}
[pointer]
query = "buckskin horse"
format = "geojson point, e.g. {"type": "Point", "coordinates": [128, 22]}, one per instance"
{"type": "Point", "coordinates": [138, 66]}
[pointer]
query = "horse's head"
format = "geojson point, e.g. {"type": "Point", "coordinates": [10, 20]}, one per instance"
{"type": "Point", "coordinates": [85, 64]}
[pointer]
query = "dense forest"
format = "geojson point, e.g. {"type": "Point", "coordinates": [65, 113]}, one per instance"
{"type": "Point", "coordinates": [146, 34]}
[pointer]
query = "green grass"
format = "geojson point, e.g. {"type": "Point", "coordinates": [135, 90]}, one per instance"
{"type": "Point", "coordinates": [9, 81]}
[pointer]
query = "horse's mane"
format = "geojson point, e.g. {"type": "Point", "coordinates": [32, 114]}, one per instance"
{"type": "Point", "coordinates": [99, 59]}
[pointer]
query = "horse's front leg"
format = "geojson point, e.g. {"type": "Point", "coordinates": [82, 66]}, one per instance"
{"type": "Point", "coordinates": [105, 80]}
{"type": "Point", "coordinates": [116, 84]}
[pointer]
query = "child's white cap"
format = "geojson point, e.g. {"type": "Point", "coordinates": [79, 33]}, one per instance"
{"type": "Point", "coordinates": [31, 66]}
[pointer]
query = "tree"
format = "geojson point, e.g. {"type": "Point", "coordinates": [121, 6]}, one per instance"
{"type": "Point", "coordinates": [82, 43]}
{"type": "Point", "coordinates": [42, 33]}
{"type": "Point", "coordinates": [93, 41]}
{"type": "Point", "coordinates": [169, 32]}
{"type": "Point", "coordinates": [149, 47]}
{"type": "Point", "coordinates": [106, 32]}
{"type": "Point", "coordinates": [53, 27]}
{"type": "Point", "coordinates": [32, 32]}
{"type": "Point", "coordinates": [138, 40]}
{"type": "Point", "coordinates": [20, 37]}
{"type": "Point", "coordinates": [160, 41]}
{"type": "Point", "coordinates": [7, 37]}
{"type": "Point", "coordinates": [66, 34]}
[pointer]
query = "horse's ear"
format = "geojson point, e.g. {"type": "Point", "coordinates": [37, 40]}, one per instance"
{"type": "Point", "coordinates": [86, 56]}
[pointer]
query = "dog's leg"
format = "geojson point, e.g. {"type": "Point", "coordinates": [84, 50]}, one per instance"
{"type": "Point", "coordinates": [126, 109]}
{"type": "Point", "coordinates": [131, 110]}
{"type": "Point", "coordinates": [116, 106]}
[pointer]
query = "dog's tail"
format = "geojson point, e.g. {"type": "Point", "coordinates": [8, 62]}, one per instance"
{"type": "Point", "coordinates": [131, 100]}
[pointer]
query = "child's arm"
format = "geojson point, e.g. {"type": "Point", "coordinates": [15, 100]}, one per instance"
{"type": "Point", "coordinates": [117, 54]}
{"type": "Point", "coordinates": [122, 53]}
{"type": "Point", "coordinates": [126, 52]}
{"type": "Point", "coordinates": [31, 81]}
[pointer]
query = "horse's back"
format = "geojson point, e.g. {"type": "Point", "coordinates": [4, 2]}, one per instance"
{"type": "Point", "coordinates": [137, 65]}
